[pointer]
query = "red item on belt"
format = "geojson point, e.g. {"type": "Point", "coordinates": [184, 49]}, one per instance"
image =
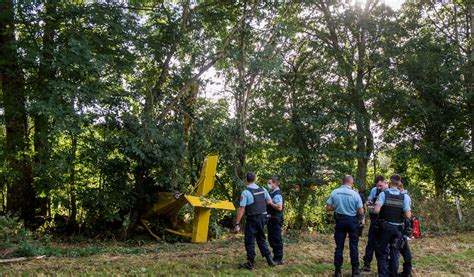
{"type": "Point", "coordinates": [416, 228]}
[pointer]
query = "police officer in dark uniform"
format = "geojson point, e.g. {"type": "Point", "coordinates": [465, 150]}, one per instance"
{"type": "Point", "coordinates": [405, 251]}
{"type": "Point", "coordinates": [380, 185]}
{"type": "Point", "coordinates": [349, 213]}
{"type": "Point", "coordinates": [393, 207]}
{"type": "Point", "coordinates": [253, 203]}
{"type": "Point", "coordinates": [275, 221]}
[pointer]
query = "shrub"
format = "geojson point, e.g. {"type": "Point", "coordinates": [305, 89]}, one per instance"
{"type": "Point", "coordinates": [16, 241]}
{"type": "Point", "coordinates": [439, 216]}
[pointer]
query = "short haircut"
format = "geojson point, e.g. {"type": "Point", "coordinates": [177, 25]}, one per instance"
{"type": "Point", "coordinates": [396, 177]}
{"type": "Point", "coordinates": [379, 178]}
{"type": "Point", "coordinates": [274, 179]}
{"type": "Point", "coordinates": [250, 176]}
{"type": "Point", "coordinates": [347, 178]}
{"type": "Point", "coordinates": [395, 180]}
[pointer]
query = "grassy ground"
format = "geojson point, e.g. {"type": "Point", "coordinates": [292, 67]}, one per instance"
{"type": "Point", "coordinates": [310, 255]}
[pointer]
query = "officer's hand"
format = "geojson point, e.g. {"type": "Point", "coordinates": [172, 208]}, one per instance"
{"type": "Point", "coordinates": [236, 229]}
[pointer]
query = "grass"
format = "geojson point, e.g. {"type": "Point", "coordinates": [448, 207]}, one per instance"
{"type": "Point", "coordinates": [309, 255]}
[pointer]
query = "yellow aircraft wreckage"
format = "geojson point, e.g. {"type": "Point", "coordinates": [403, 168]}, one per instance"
{"type": "Point", "coordinates": [169, 204]}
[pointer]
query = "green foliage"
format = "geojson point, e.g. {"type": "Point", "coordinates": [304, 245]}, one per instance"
{"type": "Point", "coordinates": [16, 241]}
{"type": "Point", "coordinates": [441, 217]}
{"type": "Point", "coordinates": [114, 115]}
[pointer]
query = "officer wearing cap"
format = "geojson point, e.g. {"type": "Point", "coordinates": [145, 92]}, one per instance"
{"type": "Point", "coordinates": [253, 204]}
{"type": "Point", "coordinates": [393, 207]}
{"type": "Point", "coordinates": [405, 251]}
{"type": "Point", "coordinates": [380, 185]}
{"type": "Point", "coordinates": [275, 221]}
{"type": "Point", "coordinates": [349, 213]}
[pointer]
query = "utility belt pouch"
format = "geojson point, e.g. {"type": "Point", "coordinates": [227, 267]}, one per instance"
{"type": "Point", "coordinates": [403, 241]}
{"type": "Point", "coordinates": [360, 229]}
{"type": "Point", "coordinates": [397, 243]}
{"type": "Point", "coordinates": [408, 229]}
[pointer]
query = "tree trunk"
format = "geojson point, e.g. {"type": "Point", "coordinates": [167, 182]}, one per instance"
{"type": "Point", "coordinates": [241, 160]}
{"type": "Point", "coordinates": [21, 195]}
{"type": "Point", "coordinates": [72, 223]}
{"type": "Point", "coordinates": [301, 143]}
{"type": "Point", "coordinates": [41, 118]}
{"type": "Point", "coordinates": [241, 109]}
{"type": "Point", "coordinates": [189, 103]}
{"type": "Point", "coordinates": [138, 208]}
{"type": "Point", "coordinates": [364, 137]}
{"type": "Point", "coordinates": [364, 147]}
{"type": "Point", "coordinates": [302, 200]}
{"type": "Point", "coordinates": [3, 200]}
{"type": "Point", "coordinates": [438, 181]}
{"type": "Point", "coordinates": [470, 94]}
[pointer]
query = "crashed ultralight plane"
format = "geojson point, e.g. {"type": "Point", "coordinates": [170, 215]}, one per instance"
{"type": "Point", "coordinates": [169, 204]}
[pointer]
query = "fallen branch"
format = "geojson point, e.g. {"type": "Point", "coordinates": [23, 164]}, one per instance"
{"type": "Point", "coordinates": [21, 259]}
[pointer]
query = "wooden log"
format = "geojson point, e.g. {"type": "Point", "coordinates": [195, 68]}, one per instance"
{"type": "Point", "coordinates": [21, 259]}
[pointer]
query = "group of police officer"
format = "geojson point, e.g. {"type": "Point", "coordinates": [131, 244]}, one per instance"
{"type": "Point", "coordinates": [390, 226]}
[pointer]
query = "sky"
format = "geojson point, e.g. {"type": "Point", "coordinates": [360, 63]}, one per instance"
{"type": "Point", "coordinates": [395, 4]}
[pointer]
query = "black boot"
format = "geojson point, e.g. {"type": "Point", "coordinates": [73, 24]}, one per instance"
{"type": "Point", "coordinates": [405, 274]}
{"type": "Point", "coordinates": [337, 273]}
{"type": "Point", "coordinates": [355, 271]}
{"type": "Point", "coordinates": [279, 262]}
{"type": "Point", "coordinates": [248, 265]}
{"type": "Point", "coordinates": [366, 267]}
{"type": "Point", "coordinates": [270, 261]}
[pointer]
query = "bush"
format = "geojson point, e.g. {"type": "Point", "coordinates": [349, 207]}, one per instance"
{"type": "Point", "coordinates": [16, 241]}
{"type": "Point", "coordinates": [439, 216]}
{"type": "Point", "coordinates": [9, 231]}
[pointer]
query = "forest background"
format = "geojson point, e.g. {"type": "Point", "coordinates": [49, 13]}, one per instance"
{"type": "Point", "coordinates": [105, 103]}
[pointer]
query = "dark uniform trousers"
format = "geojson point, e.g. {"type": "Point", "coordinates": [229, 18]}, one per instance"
{"type": "Point", "coordinates": [406, 254]}
{"type": "Point", "coordinates": [346, 225]}
{"type": "Point", "coordinates": [387, 249]}
{"type": "Point", "coordinates": [275, 224]}
{"type": "Point", "coordinates": [255, 230]}
{"type": "Point", "coordinates": [370, 248]}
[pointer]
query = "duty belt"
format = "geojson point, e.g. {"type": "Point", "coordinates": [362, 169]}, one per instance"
{"type": "Point", "coordinates": [265, 214]}
{"type": "Point", "coordinates": [338, 216]}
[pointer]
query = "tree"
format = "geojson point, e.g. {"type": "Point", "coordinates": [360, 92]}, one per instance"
{"type": "Point", "coordinates": [425, 114]}
{"type": "Point", "coordinates": [185, 33]}
{"type": "Point", "coordinates": [251, 57]}
{"type": "Point", "coordinates": [354, 37]}
{"type": "Point", "coordinates": [21, 195]}
{"type": "Point", "coordinates": [41, 115]}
